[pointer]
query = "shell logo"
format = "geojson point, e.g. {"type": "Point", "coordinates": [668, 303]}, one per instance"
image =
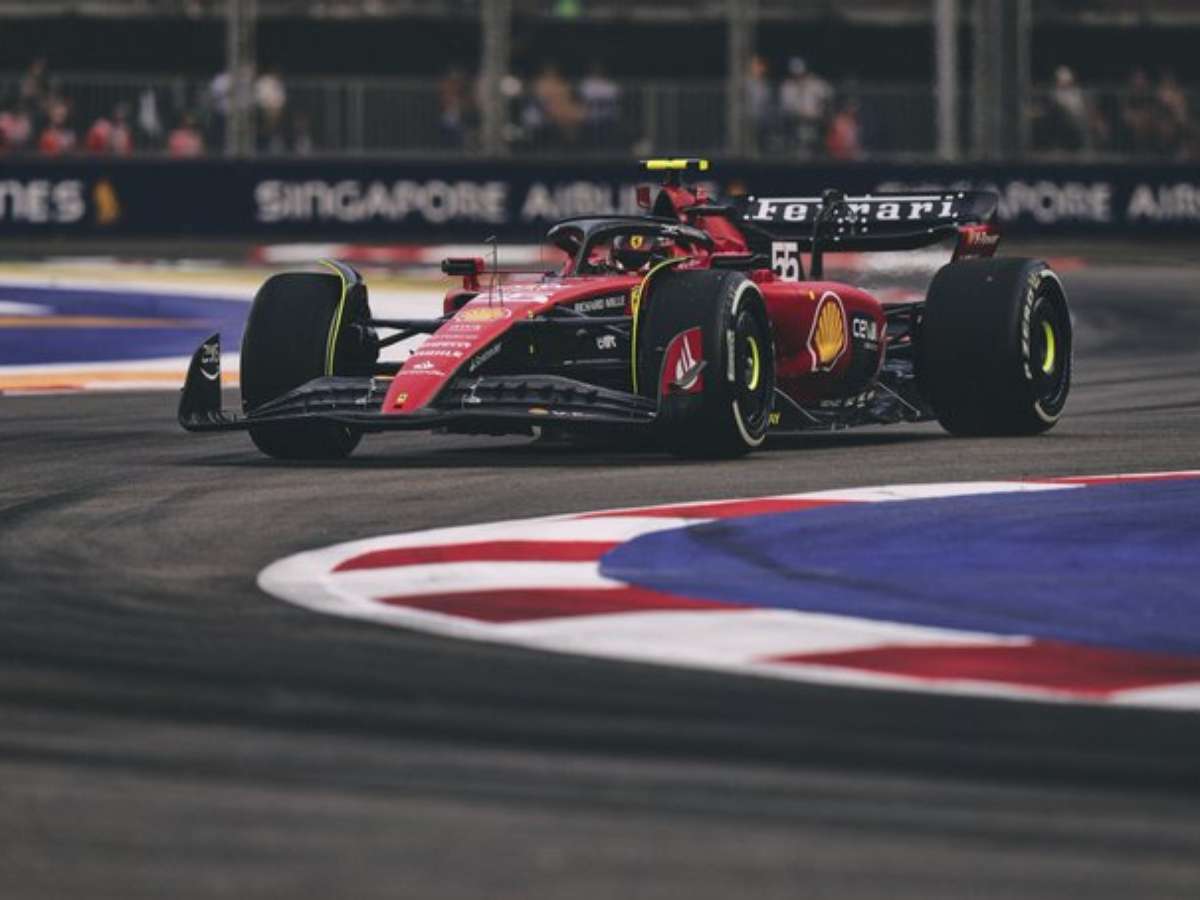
{"type": "Point", "coordinates": [483, 314]}
{"type": "Point", "coordinates": [107, 203]}
{"type": "Point", "coordinates": [828, 340]}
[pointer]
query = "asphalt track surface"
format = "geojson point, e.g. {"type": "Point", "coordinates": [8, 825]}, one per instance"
{"type": "Point", "coordinates": [170, 731]}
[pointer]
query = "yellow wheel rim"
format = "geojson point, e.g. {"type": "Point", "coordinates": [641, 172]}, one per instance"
{"type": "Point", "coordinates": [755, 363]}
{"type": "Point", "coordinates": [1051, 352]}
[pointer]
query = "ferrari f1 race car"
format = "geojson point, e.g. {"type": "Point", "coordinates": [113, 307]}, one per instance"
{"type": "Point", "coordinates": [696, 324]}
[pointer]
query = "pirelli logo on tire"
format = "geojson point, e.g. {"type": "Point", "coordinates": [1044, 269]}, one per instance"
{"type": "Point", "coordinates": [1031, 290]}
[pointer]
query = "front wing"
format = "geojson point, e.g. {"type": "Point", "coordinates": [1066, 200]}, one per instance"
{"type": "Point", "coordinates": [498, 403]}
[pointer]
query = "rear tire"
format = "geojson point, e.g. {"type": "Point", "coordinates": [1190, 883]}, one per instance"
{"type": "Point", "coordinates": [292, 336]}
{"type": "Point", "coordinates": [994, 356]}
{"type": "Point", "coordinates": [729, 416]}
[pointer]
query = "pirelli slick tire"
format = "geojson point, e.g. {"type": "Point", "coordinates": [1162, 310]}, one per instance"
{"type": "Point", "coordinates": [293, 335]}
{"type": "Point", "coordinates": [719, 405]}
{"type": "Point", "coordinates": [994, 352]}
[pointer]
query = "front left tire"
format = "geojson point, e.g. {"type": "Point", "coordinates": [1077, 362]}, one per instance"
{"type": "Point", "coordinates": [295, 333]}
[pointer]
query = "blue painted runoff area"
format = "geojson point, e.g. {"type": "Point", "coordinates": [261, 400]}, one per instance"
{"type": "Point", "coordinates": [186, 321]}
{"type": "Point", "coordinates": [1110, 565]}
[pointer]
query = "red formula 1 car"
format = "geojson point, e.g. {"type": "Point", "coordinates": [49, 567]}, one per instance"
{"type": "Point", "coordinates": [696, 323]}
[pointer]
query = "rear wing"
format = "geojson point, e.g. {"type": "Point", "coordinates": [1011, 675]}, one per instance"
{"type": "Point", "coordinates": [868, 222]}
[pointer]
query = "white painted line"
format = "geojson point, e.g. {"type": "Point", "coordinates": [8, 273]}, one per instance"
{"type": "Point", "coordinates": [1172, 696]}
{"type": "Point", "coordinates": [462, 577]}
{"type": "Point", "coordinates": [730, 636]}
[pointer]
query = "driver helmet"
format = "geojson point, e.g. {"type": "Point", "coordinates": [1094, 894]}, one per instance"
{"type": "Point", "coordinates": [633, 252]}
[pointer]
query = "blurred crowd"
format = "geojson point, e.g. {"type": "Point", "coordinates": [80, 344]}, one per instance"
{"type": "Point", "coordinates": [39, 117]}
{"type": "Point", "coordinates": [1144, 118]}
{"type": "Point", "coordinates": [788, 111]}
{"type": "Point", "coordinates": [800, 114]}
{"type": "Point", "coordinates": [547, 111]}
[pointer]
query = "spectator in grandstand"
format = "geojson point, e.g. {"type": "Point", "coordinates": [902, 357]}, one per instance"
{"type": "Point", "coordinates": [529, 120]}
{"type": "Point", "coordinates": [563, 114]}
{"type": "Point", "coordinates": [520, 112]}
{"type": "Point", "coordinates": [121, 140]}
{"type": "Point", "coordinates": [1171, 121]}
{"type": "Point", "coordinates": [601, 98]}
{"type": "Point", "coordinates": [1137, 111]}
{"type": "Point", "coordinates": [110, 135]}
{"type": "Point", "coordinates": [804, 99]}
{"type": "Point", "coordinates": [218, 102]}
{"type": "Point", "coordinates": [759, 110]}
{"type": "Point", "coordinates": [225, 94]}
{"type": "Point", "coordinates": [457, 116]}
{"type": "Point", "coordinates": [57, 137]}
{"type": "Point", "coordinates": [149, 122]}
{"type": "Point", "coordinates": [185, 140]}
{"type": "Point", "coordinates": [16, 130]}
{"type": "Point", "coordinates": [98, 136]}
{"type": "Point", "coordinates": [34, 88]}
{"type": "Point", "coordinates": [843, 139]}
{"type": "Point", "coordinates": [1063, 124]}
{"type": "Point", "coordinates": [270, 99]}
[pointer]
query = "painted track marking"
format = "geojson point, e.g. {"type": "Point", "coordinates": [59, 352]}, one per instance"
{"type": "Point", "coordinates": [486, 582]}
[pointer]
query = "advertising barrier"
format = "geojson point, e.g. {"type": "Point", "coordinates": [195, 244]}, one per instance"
{"type": "Point", "coordinates": [415, 201]}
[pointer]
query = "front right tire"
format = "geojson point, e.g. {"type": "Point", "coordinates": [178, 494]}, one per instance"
{"type": "Point", "coordinates": [730, 414]}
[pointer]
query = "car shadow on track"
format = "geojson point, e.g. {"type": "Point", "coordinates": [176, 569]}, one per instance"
{"type": "Point", "coordinates": [844, 440]}
{"type": "Point", "coordinates": [557, 454]}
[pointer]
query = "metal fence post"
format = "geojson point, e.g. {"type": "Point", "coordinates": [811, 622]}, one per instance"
{"type": "Point", "coordinates": [240, 59]}
{"type": "Point", "coordinates": [945, 17]}
{"type": "Point", "coordinates": [358, 140]}
{"type": "Point", "coordinates": [740, 27]}
{"type": "Point", "coordinates": [495, 44]}
{"type": "Point", "coordinates": [335, 129]}
{"type": "Point", "coordinates": [650, 118]}
{"type": "Point", "coordinates": [1001, 83]}
{"type": "Point", "coordinates": [1022, 74]}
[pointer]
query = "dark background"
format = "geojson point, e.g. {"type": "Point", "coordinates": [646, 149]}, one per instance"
{"type": "Point", "coordinates": [424, 46]}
